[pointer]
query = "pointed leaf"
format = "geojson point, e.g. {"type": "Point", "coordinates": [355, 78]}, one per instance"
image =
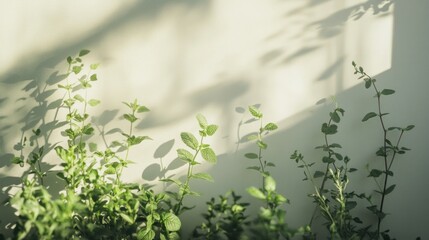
{"type": "Point", "coordinates": [94, 66]}
{"type": "Point", "coordinates": [262, 145]}
{"type": "Point", "coordinates": [202, 121]}
{"type": "Point", "coordinates": [93, 102]}
{"type": "Point", "coordinates": [83, 52]}
{"type": "Point", "coordinates": [142, 109]}
{"type": "Point", "coordinates": [409, 127]}
{"type": "Point", "coordinates": [387, 91]}
{"type": "Point", "coordinates": [127, 218]}
{"type": "Point", "coordinates": [209, 155]}
{"type": "Point", "coordinates": [390, 189]}
{"type": "Point", "coordinates": [255, 192]}
{"type": "Point", "coordinates": [375, 173]}
{"type": "Point", "coordinates": [335, 117]}
{"type": "Point", "coordinates": [269, 184]}
{"type": "Point", "coordinates": [93, 77]}
{"type": "Point", "coordinates": [185, 155]}
{"type": "Point", "coordinates": [204, 176]}
{"type": "Point", "coordinates": [190, 140]}
{"type": "Point", "coordinates": [255, 112]}
{"type": "Point", "coordinates": [369, 115]}
{"type": "Point", "coordinates": [251, 155]}
{"type": "Point", "coordinates": [211, 129]}
{"type": "Point", "coordinates": [271, 127]}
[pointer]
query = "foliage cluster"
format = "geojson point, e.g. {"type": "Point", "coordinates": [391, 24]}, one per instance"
{"type": "Point", "coordinates": [95, 203]}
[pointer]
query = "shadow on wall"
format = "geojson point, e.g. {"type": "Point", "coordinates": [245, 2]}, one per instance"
{"type": "Point", "coordinates": [32, 111]}
{"type": "Point", "coordinates": [360, 141]}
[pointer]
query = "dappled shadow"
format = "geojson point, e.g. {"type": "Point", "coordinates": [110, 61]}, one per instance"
{"type": "Point", "coordinates": [219, 94]}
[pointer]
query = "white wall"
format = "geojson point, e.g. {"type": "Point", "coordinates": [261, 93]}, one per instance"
{"type": "Point", "coordinates": [184, 57]}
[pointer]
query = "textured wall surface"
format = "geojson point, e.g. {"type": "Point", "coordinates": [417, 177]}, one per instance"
{"type": "Point", "coordinates": [184, 57]}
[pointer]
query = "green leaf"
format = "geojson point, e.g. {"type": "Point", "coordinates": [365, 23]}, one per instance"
{"type": "Point", "coordinates": [202, 121]}
{"type": "Point", "coordinates": [335, 117]}
{"type": "Point", "coordinates": [387, 91]}
{"type": "Point", "coordinates": [211, 129]}
{"type": "Point", "coordinates": [77, 69]}
{"type": "Point", "coordinates": [335, 145]}
{"type": "Point", "coordinates": [338, 156]}
{"type": "Point", "coordinates": [184, 155]}
{"type": "Point", "coordinates": [269, 184]}
{"type": "Point", "coordinates": [390, 189]}
{"type": "Point", "coordinates": [79, 98]}
{"type": "Point", "coordinates": [255, 112]}
{"type": "Point", "coordinates": [177, 182]}
{"type": "Point", "coordinates": [83, 52]}
{"type": "Point", "coordinates": [110, 170]}
{"type": "Point", "coordinates": [369, 115]}
{"type": "Point", "coordinates": [134, 140]}
{"type": "Point", "coordinates": [93, 77]}
{"type": "Point", "coordinates": [171, 222]}
{"type": "Point", "coordinates": [327, 159]}
{"type": "Point", "coordinates": [146, 234]}
{"type": "Point", "coordinates": [375, 173]}
{"type": "Point", "coordinates": [409, 127]}
{"type": "Point", "coordinates": [17, 160]}
{"type": "Point", "coordinates": [368, 83]}
{"type": "Point", "coordinates": [142, 109]}
{"type": "Point", "coordinates": [94, 66]}
{"type": "Point", "coordinates": [204, 176]}
{"type": "Point", "coordinates": [69, 59]}
{"type": "Point", "coordinates": [251, 155]}
{"type": "Point", "coordinates": [329, 129]}
{"type": "Point", "coordinates": [209, 155]}
{"type": "Point", "coordinates": [271, 127]}
{"type": "Point", "coordinates": [93, 102]}
{"type": "Point", "coordinates": [262, 145]}
{"type": "Point", "coordinates": [127, 218]}
{"type": "Point", "coordinates": [130, 117]}
{"type": "Point", "coordinates": [255, 192]}
{"type": "Point", "coordinates": [254, 168]}
{"type": "Point", "coordinates": [190, 140]}
{"type": "Point", "coordinates": [252, 137]}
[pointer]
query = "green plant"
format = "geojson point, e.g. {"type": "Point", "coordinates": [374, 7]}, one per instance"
{"type": "Point", "coordinates": [95, 202]}
{"type": "Point", "coordinates": [331, 196]}
{"type": "Point", "coordinates": [223, 220]}
{"type": "Point", "coordinates": [271, 221]}
{"type": "Point", "coordinates": [198, 148]}
{"type": "Point", "coordinates": [388, 151]}
{"type": "Point", "coordinates": [333, 200]}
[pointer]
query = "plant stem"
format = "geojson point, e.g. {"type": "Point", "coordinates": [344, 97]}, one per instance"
{"type": "Point", "coordinates": [188, 177]}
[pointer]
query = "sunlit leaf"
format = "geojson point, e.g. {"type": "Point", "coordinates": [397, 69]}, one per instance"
{"type": "Point", "coordinates": [190, 140]}
{"type": "Point", "coordinates": [209, 155]}
{"type": "Point", "coordinates": [202, 121]}
{"type": "Point", "coordinates": [204, 176]}
{"type": "Point", "coordinates": [255, 192]}
{"type": "Point", "coordinates": [255, 112]}
{"type": "Point", "coordinates": [271, 127]}
{"type": "Point", "coordinates": [171, 222]}
{"type": "Point", "coordinates": [269, 184]}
